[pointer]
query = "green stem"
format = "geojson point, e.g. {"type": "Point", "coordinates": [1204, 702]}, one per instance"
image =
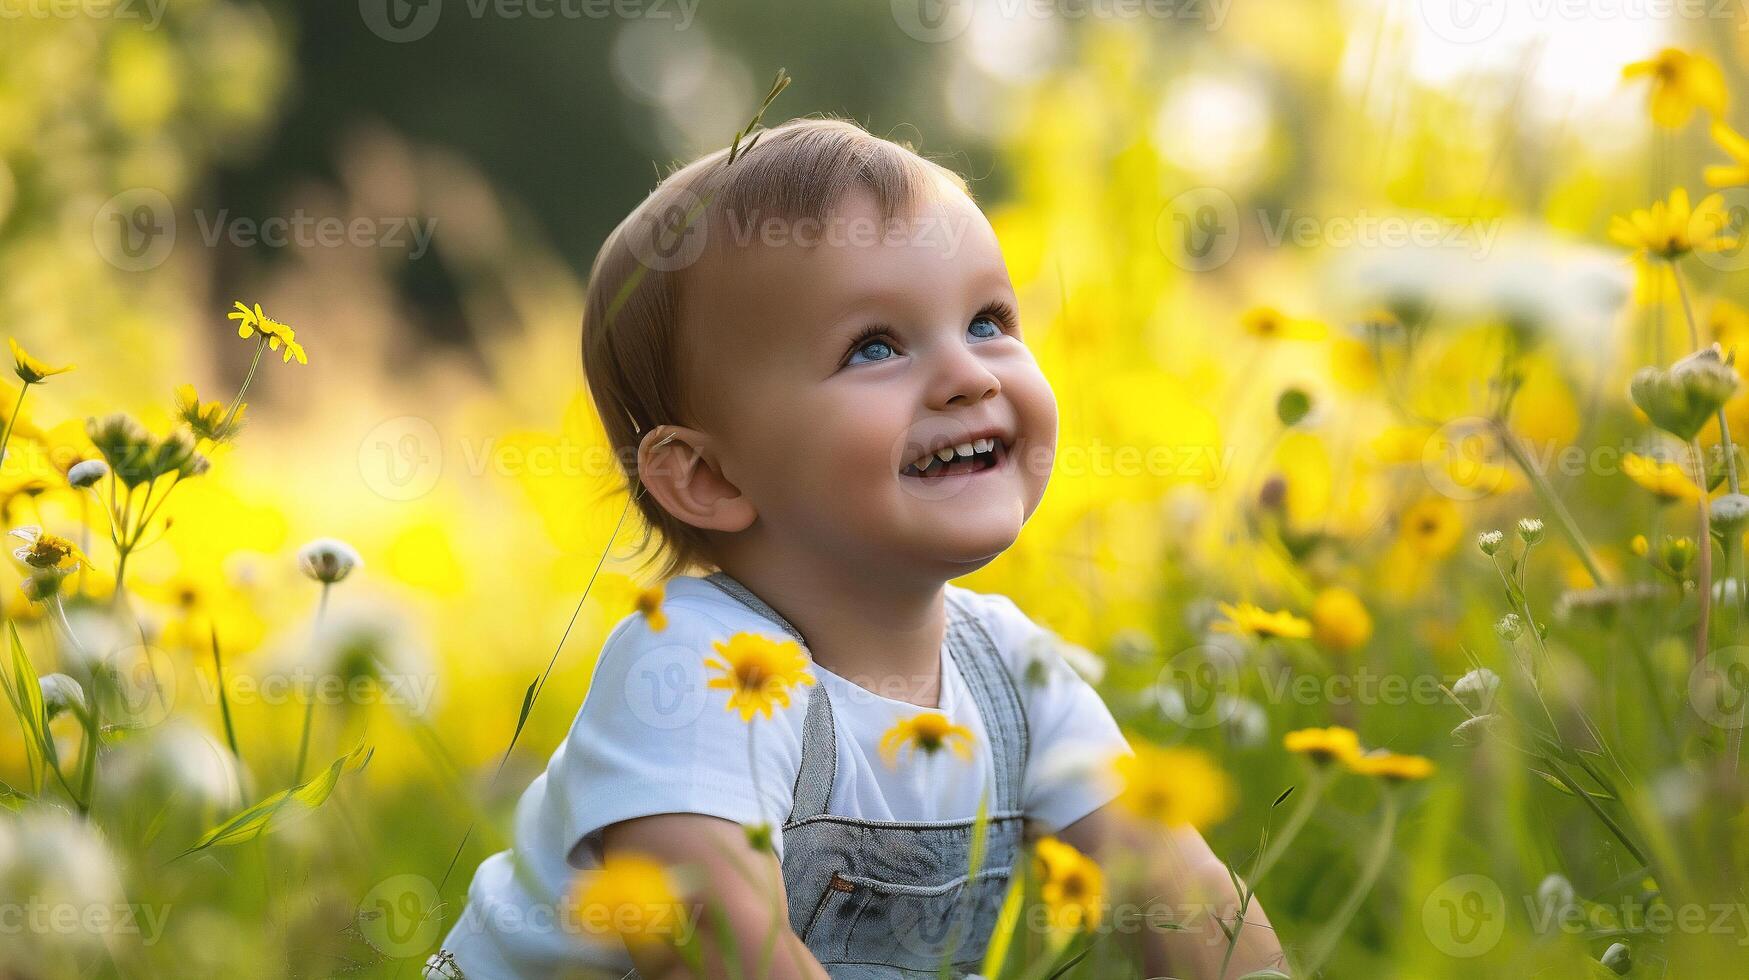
{"type": "Point", "coordinates": [1546, 494]}
{"type": "Point", "coordinates": [310, 695]}
{"type": "Point", "coordinates": [1704, 569]}
{"type": "Point", "coordinates": [6, 437]}
{"type": "Point", "coordinates": [1369, 875]}
{"type": "Point", "coordinates": [255, 362]}
{"type": "Point", "coordinates": [1295, 822]}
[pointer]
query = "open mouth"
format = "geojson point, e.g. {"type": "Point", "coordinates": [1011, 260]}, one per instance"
{"type": "Point", "coordinates": [974, 456]}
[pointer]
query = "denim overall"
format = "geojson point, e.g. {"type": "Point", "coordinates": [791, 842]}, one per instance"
{"type": "Point", "coordinates": [886, 900]}
{"type": "Point", "coordinates": [882, 900]}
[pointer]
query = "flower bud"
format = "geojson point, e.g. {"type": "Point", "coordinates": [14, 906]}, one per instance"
{"type": "Point", "coordinates": [1729, 512]}
{"type": "Point", "coordinates": [1639, 546]}
{"type": "Point", "coordinates": [1618, 958]}
{"type": "Point", "coordinates": [1678, 553]}
{"type": "Point", "coordinates": [1471, 731]}
{"type": "Point", "coordinates": [1531, 530]}
{"type": "Point", "coordinates": [86, 473]}
{"type": "Point", "coordinates": [1681, 399]}
{"type": "Point", "coordinates": [1477, 687]}
{"type": "Point", "coordinates": [328, 560]}
{"type": "Point", "coordinates": [1510, 627]}
{"type": "Point", "coordinates": [1490, 542]}
{"type": "Point", "coordinates": [61, 693]}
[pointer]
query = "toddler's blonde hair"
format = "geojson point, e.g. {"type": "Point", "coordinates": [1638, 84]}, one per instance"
{"type": "Point", "coordinates": [637, 293]}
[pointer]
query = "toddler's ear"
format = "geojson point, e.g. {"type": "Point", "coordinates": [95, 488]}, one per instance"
{"type": "Point", "coordinates": [678, 468]}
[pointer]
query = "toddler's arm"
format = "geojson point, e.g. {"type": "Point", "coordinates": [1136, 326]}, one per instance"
{"type": "Point", "coordinates": [1179, 879]}
{"type": "Point", "coordinates": [723, 872]}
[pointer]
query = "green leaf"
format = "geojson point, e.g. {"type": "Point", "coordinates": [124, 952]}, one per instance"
{"type": "Point", "coordinates": [282, 806]}
{"type": "Point", "coordinates": [26, 694]}
{"type": "Point", "coordinates": [1283, 797]}
{"type": "Point", "coordinates": [12, 799]}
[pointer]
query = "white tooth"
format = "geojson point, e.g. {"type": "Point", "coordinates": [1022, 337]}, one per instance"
{"type": "Point", "coordinates": [983, 445]}
{"type": "Point", "coordinates": [922, 462]}
{"type": "Point", "coordinates": [964, 449]}
{"type": "Point", "coordinates": [944, 454]}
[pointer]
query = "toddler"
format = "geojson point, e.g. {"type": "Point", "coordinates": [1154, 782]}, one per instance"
{"type": "Point", "coordinates": [811, 359]}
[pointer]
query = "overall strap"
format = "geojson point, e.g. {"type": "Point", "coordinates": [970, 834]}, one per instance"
{"type": "Point", "coordinates": [813, 785]}
{"type": "Point", "coordinates": [998, 700]}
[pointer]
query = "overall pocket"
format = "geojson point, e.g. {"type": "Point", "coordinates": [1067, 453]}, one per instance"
{"type": "Point", "coordinates": [912, 927]}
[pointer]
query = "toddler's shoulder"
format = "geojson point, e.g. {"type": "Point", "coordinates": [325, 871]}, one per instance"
{"type": "Point", "coordinates": [694, 613]}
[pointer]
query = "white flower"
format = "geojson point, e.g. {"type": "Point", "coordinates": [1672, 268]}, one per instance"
{"type": "Point", "coordinates": [328, 560]}
{"type": "Point", "coordinates": [56, 860]}
{"type": "Point", "coordinates": [178, 762]}
{"type": "Point", "coordinates": [87, 472]}
{"type": "Point", "coordinates": [1477, 688]}
{"type": "Point", "coordinates": [61, 693]}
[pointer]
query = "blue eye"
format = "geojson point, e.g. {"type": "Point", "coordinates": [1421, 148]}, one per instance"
{"type": "Point", "coordinates": [875, 349]}
{"type": "Point", "coordinates": [992, 328]}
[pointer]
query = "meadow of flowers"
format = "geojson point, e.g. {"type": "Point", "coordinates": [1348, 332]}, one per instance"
{"type": "Point", "coordinates": [1397, 511]}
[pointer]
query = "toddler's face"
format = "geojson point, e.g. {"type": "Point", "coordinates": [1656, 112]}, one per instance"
{"type": "Point", "coordinates": [827, 361]}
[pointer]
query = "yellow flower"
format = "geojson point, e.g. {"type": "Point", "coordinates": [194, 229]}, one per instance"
{"type": "Point", "coordinates": [1269, 323]}
{"type": "Point", "coordinates": [30, 370]}
{"type": "Point", "coordinates": [632, 897]}
{"type": "Point", "coordinates": [1664, 479]}
{"type": "Point", "coordinates": [758, 671]}
{"type": "Point", "coordinates": [1639, 546]}
{"type": "Point", "coordinates": [1352, 364]}
{"type": "Point", "coordinates": [49, 552]}
{"type": "Point", "coordinates": [649, 605]}
{"type": "Point", "coordinates": [1392, 767]}
{"type": "Point", "coordinates": [274, 332]}
{"type": "Point", "coordinates": [1670, 231]}
{"type": "Point", "coordinates": [1340, 621]}
{"type": "Point", "coordinates": [1431, 527]}
{"type": "Point", "coordinates": [1324, 745]}
{"type": "Point", "coordinates": [1253, 620]}
{"type": "Point", "coordinates": [1681, 82]}
{"type": "Point", "coordinates": [207, 419]}
{"type": "Point", "coordinates": [1071, 885]}
{"type": "Point", "coordinates": [1735, 173]}
{"type": "Point", "coordinates": [1174, 786]}
{"type": "Point", "coordinates": [928, 732]}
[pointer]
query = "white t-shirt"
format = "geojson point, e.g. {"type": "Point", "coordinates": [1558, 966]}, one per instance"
{"type": "Point", "coordinates": [652, 738]}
